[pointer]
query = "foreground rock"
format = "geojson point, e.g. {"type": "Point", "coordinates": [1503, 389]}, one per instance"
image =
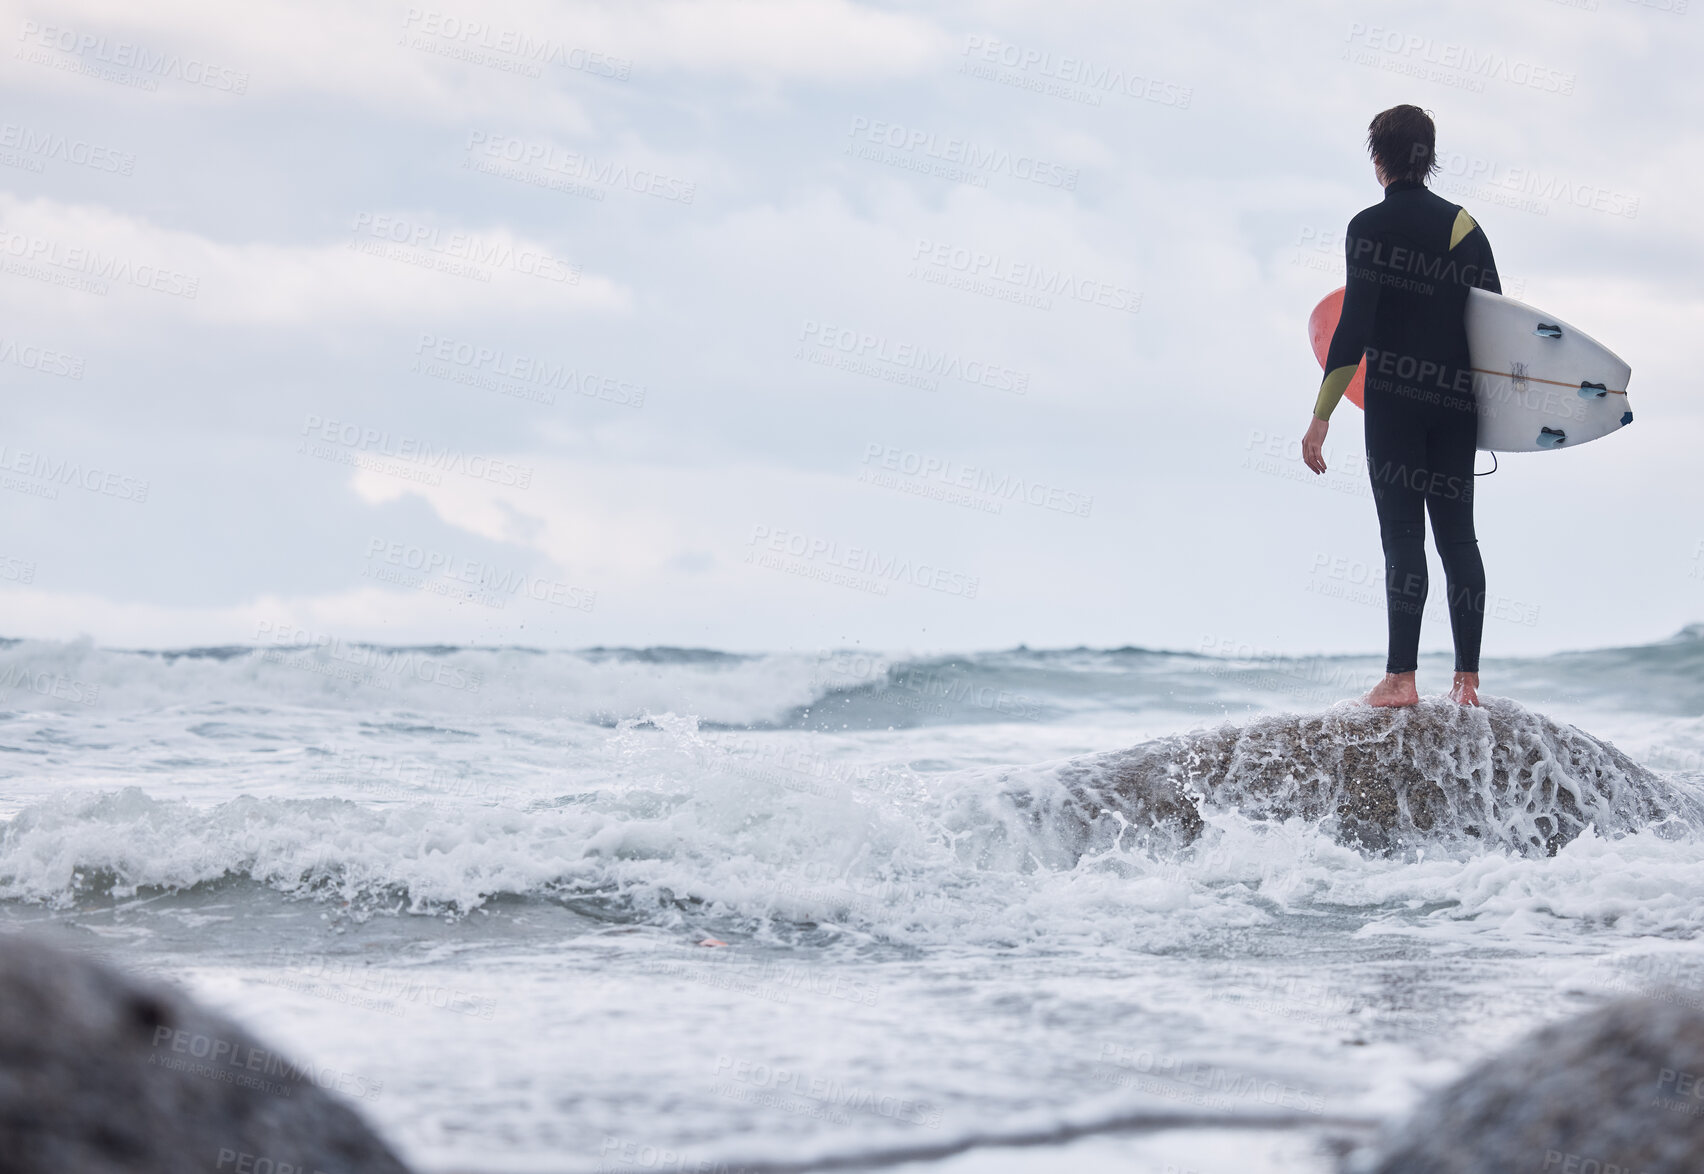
{"type": "Point", "coordinates": [1616, 1091]}
{"type": "Point", "coordinates": [102, 1074]}
{"type": "Point", "coordinates": [1380, 779]}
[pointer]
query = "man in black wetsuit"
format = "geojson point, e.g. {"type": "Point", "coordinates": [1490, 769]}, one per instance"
{"type": "Point", "coordinates": [1411, 260]}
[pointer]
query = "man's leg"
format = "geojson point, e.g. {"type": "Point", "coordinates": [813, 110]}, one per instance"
{"type": "Point", "coordinates": [1450, 448]}
{"type": "Point", "coordinates": [1396, 452]}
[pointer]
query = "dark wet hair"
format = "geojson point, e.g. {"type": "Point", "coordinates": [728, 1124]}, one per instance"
{"type": "Point", "coordinates": [1404, 143]}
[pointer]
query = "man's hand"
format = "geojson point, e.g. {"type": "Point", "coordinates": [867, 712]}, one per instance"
{"type": "Point", "coordinates": [1313, 445]}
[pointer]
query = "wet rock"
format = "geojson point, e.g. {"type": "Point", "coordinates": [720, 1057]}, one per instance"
{"type": "Point", "coordinates": [1380, 779]}
{"type": "Point", "coordinates": [1615, 1091]}
{"type": "Point", "coordinates": [103, 1074]}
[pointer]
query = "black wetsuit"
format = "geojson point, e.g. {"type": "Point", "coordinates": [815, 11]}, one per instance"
{"type": "Point", "coordinates": [1411, 260]}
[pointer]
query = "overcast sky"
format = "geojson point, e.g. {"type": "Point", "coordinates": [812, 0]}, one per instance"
{"type": "Point", "coordinates": [801, 325]}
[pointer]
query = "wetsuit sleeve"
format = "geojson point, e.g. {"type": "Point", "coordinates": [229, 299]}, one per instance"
{"type": "Point", "coordinates": [1488, 278]}
{"type": "Point", "coordinates": [1354, 328]}
{"type": "Point", "coordinates": [1467, 235]}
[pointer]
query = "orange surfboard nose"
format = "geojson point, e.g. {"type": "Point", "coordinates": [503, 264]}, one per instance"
{"type": "Point", "coordinates": [1322, 324]}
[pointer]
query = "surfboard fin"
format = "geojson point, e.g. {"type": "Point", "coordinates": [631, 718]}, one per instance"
{"type": "Point", "coordinates": [1626, 418]}
{"type": "Point", "coordinates": [1551, 438]}
{"type": "Point", "coordinates": [1547, 330]}
{"type": "Point", "coordinates": [1593, 391]}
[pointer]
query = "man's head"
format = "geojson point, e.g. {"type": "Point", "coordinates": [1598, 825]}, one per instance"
{"type": "Point", "coordinates": [1402, 142]}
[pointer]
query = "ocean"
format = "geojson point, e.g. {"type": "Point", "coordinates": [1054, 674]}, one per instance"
{"type": "Point", "coordinates": [675, 909]}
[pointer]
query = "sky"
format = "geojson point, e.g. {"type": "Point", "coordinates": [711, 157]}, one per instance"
{"type": "Point", "coordinates": [816, 324]}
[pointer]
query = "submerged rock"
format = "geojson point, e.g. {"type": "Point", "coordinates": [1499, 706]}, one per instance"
{"type": "Point", "coordinates": [103, 1074]}
{"type": "Point", "coordinates": [1380, 779]}
{"type": "Point", "coordinates": [1617, 1089]}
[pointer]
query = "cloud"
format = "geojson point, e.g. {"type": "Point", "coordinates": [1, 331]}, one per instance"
{"type": "Point", "coordinates": [390, 266]}
{"type": "Point", "coordinates": [452, 59]}
{"type": "Point", "coordinates": [814, 40]}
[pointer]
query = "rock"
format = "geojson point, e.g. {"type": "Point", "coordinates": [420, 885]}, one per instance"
{"type": "Point", "coordinates": [104, 1074]}
{"type": "Point", "coordinates": [1382, 780]}
{"type": "Point", "coordinates": [1615, 1091]}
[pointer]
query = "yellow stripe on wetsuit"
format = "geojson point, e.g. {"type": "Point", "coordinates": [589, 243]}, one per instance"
{"type": "Point", "coordinates": [1464, 224]}
{"type": "Point", "coordinates": [1331, 390]}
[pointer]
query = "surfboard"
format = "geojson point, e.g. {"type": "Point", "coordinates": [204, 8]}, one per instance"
{"type": "Point", "coordinates": [1541, 383]}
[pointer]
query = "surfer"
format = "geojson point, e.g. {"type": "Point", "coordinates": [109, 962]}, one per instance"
{"type": "Point", "coordinates": [1411, 259]}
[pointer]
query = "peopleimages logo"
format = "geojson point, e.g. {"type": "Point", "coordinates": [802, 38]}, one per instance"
{"type": "Point", "coordinates": [1462, 59]}
{"type": "Point", "coordinates": [46, 684]}
{"type": "Point", "coordinates": [361, 664]}
{"type": "Point", "coordinates": [324, 437]}
{"type": "Point", "coordinates": [50, 473]}
{"type": "Point", "coordinates": [861, 349]}
{"type": "Point", "coordinates": [16, 570]}
{"type": "Point", "coordinates": [827, 1091]}
{"type": "Point", "coordinates": [134, 57]}
{"type": "Point", "coordinates": [866, 562]}
{"type": "Point", "coordinates": [474, 40]}
{"type": "Point", "coordinates": [1066, 73]}
{"type": "Point", "coordinates": [232, 1060]}
{"type": "Point", "coordinates": [497, 581]}
{"type": "Point", "coordinates": [1209, 1079]}
{"type": "Point", "coordinates": [468, 248]}
{"type": "Point", "coordinates": [962, 153]}
{"type": "Point", "coordinates": [575, 167]}
{"type": "Point", "coordinates": [79, 261]}
{"type": "Point", "coordinates": [38, 146]}
{"type": "Point", "coordinates": [43, 359]}
{"type": "Point", "coordinates": [1528, 181]}
{"type": "Point", "coordinates": [1003, 487]}
{"type": "Point", "coordinates": [1009, 275]}
{"type": "Point", "coordinates": [509, 373]}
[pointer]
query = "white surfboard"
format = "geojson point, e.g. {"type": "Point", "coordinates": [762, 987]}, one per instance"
{"type": "Point", "coordinates": [1541, 384]}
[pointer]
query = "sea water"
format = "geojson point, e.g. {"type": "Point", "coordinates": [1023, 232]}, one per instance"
{"type": "Point", "coordinates": [662, 909]}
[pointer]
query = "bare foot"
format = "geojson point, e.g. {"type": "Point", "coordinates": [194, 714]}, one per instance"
{"type": "Point", "coordinates": [1465, 691]}
{"type": "Point", "coordinates": [1397, 689]}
